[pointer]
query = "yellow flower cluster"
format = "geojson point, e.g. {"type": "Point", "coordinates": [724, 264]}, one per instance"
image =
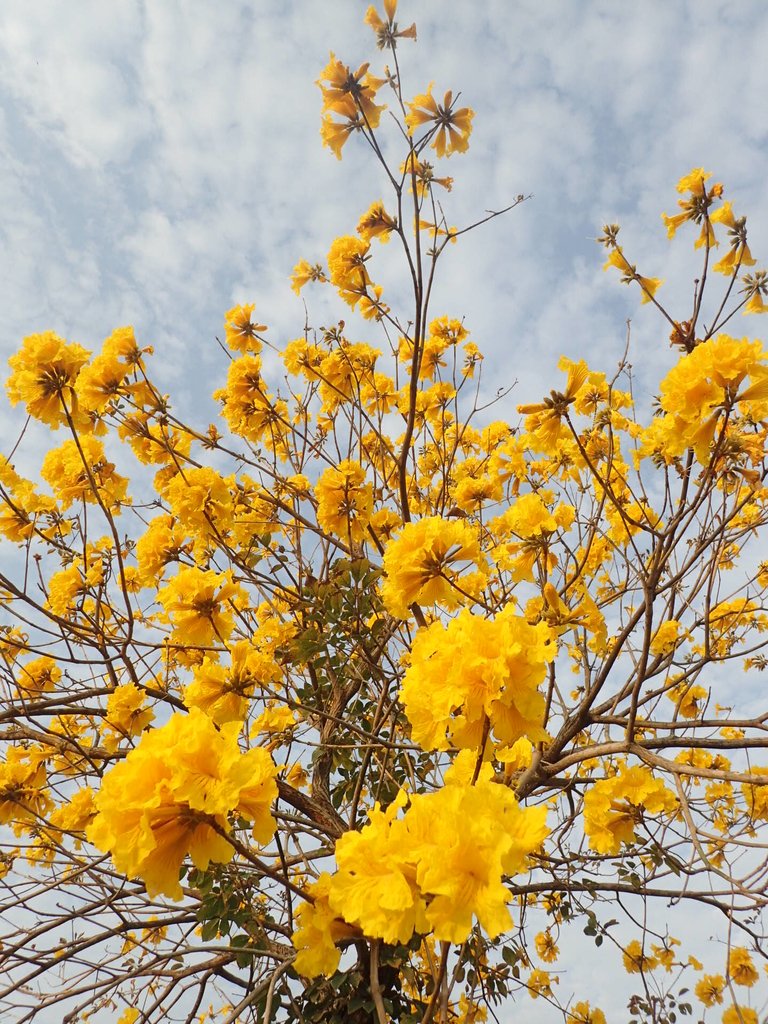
{"type": "Point", "coordinates": [80, 471]}
{"type": "Point", "coordinates": [665, 638]}
{"type": "Point", "coordinates": [474, 669]}
{"type": "Point", "coordinates": [717, 378]}
{"type": "Point", "coordinates": [240, 331]}
{"type": "Point", "coordinates": [21, 507]}
{"type": "Point", "coordinates": [172, 795]}
{"type": "Point", "coordinates": [248, 407]}
{"type": "Point", "coordinates": [344, 501]}
{"type": "Point", "coordinates": [429, 563]}
{"type": "Point", "coordinates": [103, 379]}
{"type": "Point", "coordinates": [201, 604]}
{"type": "Point", "coordinates": [126, 715]}
{"type": "Point", "coordinates": [347, 259]}
{"type": "Point", "coordinates": [387, 31]}
{"type": "Point", "coordinates": [349, 96]}
{"type": "Point", "coordinates": [38, 677]}
{"type": "Point", "coordinates": [448, 126]}
{"type": "Point", "coordinates": [613, 807]}
{"type": "Point", "coordinates": [44, 373]}
{"type": "Point", "coordinates": [431, 871]}
{"type": "Point", "coordinates": [756, 796]}
{"type": "Point", "coordinates": [223, 692]}
{"type": "Point", "coordinates": [23, 794]}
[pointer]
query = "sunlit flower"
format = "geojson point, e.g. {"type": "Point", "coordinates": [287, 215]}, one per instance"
{"type": "Point", "coordinates": [387, 32]}
{"type": "Point", "coordinates": [44, 373]}
{"type": "Point", "coordinates": [451, 126]}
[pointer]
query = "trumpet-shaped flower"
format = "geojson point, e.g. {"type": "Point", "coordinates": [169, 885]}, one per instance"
{"type": "Point", "coordinates": [388, 31]}
{"type": "Point", "coordinates": [430, 563]}
{"type": "Point", "coordinates": [450, 126]}
{"type": "Point", "coordinates": [201, 606]}
{"type": "Point", "coordinates": [172, 795]}
{"type": "Point", "coordinates": [344, 501]}
{"type": "Point", "coordinates": [473, 669]}
{"type": "Point", "coordinates": [44, 373]}
{"type": "Point", "coordinates": [613, 807]}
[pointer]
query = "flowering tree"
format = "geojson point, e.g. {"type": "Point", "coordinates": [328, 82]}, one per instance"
{"type": "Point", "coordinates": [364, 699]}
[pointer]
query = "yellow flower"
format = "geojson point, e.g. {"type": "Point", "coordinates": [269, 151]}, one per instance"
{"type": "Point", "coordinates": [546, 947]}
{"type": "Point", "coordinates": [693, 182]}
{"type": "Point", "coordinates": [273, 721]}
{"type": "Point", "coordinates": [613, 806]}
{"type": "Point", "coordinates": [695, 207]}
{"type": "Point", "coordinates": [223, 692]}
{"type": "Point", "coordinates": [516, 757]}
{"type": "Point", "coordinates": [21, 507]}
{"type": "Point", "coordinates": [163, 542]}
{"type": "Point", "coordinates": [201, 499]}
{"type": "Point", "coordinates": [471, 668]}
{"type": "Point", "coordinates": [297, 775]}
{"type": "Point", "coordinates": [126, 715]}
{"type": "Point", "coordinates": [375, 885]}
{"type": "Point", "coordinates": [421, 175]}
{"type": "Point", "coordinates": [583, 1013]}
{"type": "Point", "coordinates": [344, 501]}
{"type": "Point", "coordinates": [696, 392]}
{"type": "Point", "coordinates": [664, 639]}
{"type": "Point", "coordinates": [544, 418]}
{"type": "Point", "coordinates": [755, 288]}
{"type": "Point", "coordinates": [665, 954]}
{"type": "Point", "coordinates": [161, 802]}
{"type": "Point", "coordinates": [201, 606]}
{"type": "Point", "coordinates": [739, 1015]}
{"type": "Point", "coordinates": [756, 796]}
{"type": "Point", "coordinates": [247, 405]}
{"type": "Point", "coordinates": [709, 990]}
{"type": "Point", "coordinates": [318, 930]}
{"type": "Point", "coordinates": [451, 127]}
{"type": "Point", "coordinates": [741, 969]}
{"type": "Point", "coordinates": [635, 960]}
{"type": "Point", "coordinates": [241, 333]}
{"type": "Point", "coordinates": [64, 587]}
{"type": "Point", "coordinates": [338, 84]}
{"type": "Point", "coordinates": [649, 285]}
{"type": "Point", "coordinates": [45, 370]}
{"type": "Point", "coordinates": [80, 471]}
{"type": "Point", "coordinates": [738, 254]}
{"type": "Point", "coordinates": [38, 677]}
{"type": "Point", "coordinates": [464, 839]}
{"type": "Point", "coordinates": [428, 563]}
{"type": "Point", "coordinates": [388, 31]}
{"type": "Point", "coordinates": [687, 697]}
{"type": "Point", "coordinates": [346, 265]}
{"type": "Point", "coordinates": [77, 814]}
{"type": "Point", "coordinates": [539, 984]}
{"type": "Point", "coordinates": [304, 272]}
{"type": "Point", "coordinates": [349, 95]}
{"type": "Point", "coordinates": [103, 379]}
{"type": "Point", "coordinates": [376, 223]}
{"type": "Point", "coordinates": [23, 796]}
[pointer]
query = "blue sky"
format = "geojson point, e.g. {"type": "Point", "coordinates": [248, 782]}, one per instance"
{"type": "Point", "coordinates": [162, 161]}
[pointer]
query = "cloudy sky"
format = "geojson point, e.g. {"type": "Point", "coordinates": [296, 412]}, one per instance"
{"type": "Point", "coordinates": [162, 161]}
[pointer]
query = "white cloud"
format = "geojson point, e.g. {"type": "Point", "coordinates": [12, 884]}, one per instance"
{"type": "Point", "coordinates": [166, 162]}
{"type": "Point", "coordinates": [66, 70]}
